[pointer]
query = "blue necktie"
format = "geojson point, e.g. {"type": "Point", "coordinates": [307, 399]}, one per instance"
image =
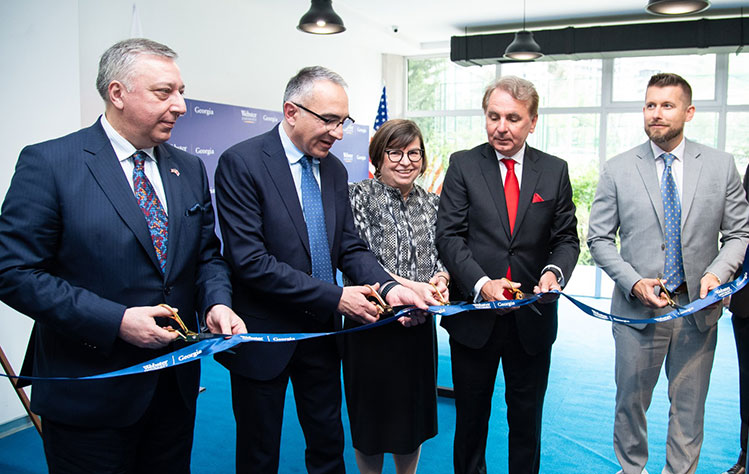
{"type": "Point", "coordinates": [674, 270]}
{"type": "Point", "coordinates": [156, 218]}
{"type": "Point", "coordinates": [322, 268]}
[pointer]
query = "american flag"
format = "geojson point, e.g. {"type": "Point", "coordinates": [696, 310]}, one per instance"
{"type": "Point", "coordinates": [382, 111]}
{"type": "Point", "coordinates": [382, 117]}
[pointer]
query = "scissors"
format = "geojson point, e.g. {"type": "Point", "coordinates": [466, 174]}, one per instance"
{"type": "Point", "coordinates": [438, 296]}
{"type": "Point", "coordinates": [667, 294]}
{"type": "Point", "coordinates": [184, 334]}
{"type": "Point", "coordinates": [376, 299]}
{"type": "Point", "coordinates": [519, 295]}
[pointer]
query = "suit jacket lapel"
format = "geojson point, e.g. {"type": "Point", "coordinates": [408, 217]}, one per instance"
{"type": "Point", "coordinates": [107, 171]}
{"type": "Point", "coordinates": [279, 171]}
{"type": "Point", "coordinates": [327, 182]}
{"type": "Point", "coordinates": [690, 176]}
{"type": "Point", "coordinates": [175, 205]}
{"type": "Point", "coordinates": [490, 170]}
{"type": "Point", "coordinates": [645, 163]}
{"type": "Point", "coordinates": [531, 174]}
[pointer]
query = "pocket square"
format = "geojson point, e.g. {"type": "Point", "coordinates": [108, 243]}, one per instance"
{"type": "Point", "coordinates": [537, 198]}
{"type": "Point", "coordinates": [194, 209]}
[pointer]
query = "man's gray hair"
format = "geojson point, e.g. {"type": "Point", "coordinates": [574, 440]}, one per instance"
{"type": "Point", "coordinates": [301, 84]}
{"type": "Point", "coordinates": [518, 88]}
{"type": "Point", "coordinates": [116, 64]}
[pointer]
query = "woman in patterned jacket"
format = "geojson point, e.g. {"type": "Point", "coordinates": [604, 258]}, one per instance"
{"type": "Point", "coordinates": [390, 371]}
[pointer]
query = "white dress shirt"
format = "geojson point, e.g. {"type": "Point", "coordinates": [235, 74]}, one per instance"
{"type": "Point", "coordinates": [294, 155]}
{"type": "Point", "coordinates": [124, 151]}
{"type": "Point", "coordinates": [677, 168]}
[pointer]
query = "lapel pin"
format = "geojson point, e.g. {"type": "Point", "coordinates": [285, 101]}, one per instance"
{"type": "Point", "coordinates": [175, 171]}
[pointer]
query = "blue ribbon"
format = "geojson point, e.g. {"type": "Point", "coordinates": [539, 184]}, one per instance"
{"type": "Point", "coordinates": [220, 343]}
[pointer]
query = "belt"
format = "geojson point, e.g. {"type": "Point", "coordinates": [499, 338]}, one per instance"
{"type": "Point", "coordinates": [681, 289]}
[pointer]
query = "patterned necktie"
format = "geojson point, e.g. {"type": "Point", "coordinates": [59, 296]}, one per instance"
{"type": "Point", "coordinates": [512, 194]}
{"type": "Point", "coordinates": [322, 268]}
{"type": "Point", "coordinates": [674, 269]}
{"type": "Point", "coordinates": [156, 218]}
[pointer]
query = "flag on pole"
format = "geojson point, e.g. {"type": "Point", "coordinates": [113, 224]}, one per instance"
{"type": "Point", "coordinates": [382, 111]}
{"type": "Point", "coordinates": [382, 117]}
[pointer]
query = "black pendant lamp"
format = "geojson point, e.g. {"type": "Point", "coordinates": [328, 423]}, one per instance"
{"type": "Point", "coordinates": [523, 47]}
{"type": "Point", "coordinates": [321, 19]}
{"type": "Point", "coordinates": [676, 7]}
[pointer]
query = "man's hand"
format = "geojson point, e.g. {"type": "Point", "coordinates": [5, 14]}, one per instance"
{"type": "Point", "coordinates": [707, 283]}
{"type": "Point", "coordinates": [139, 328]}
{"type": "Point", "coordinates": [354, 304]}
{"type": "Point", "coordinates": [547, 283]}
{"type": "Point", "coordinates": [644, 290]}
{"type": "Point", "coordinates": [493, 290]}
{"type": "Point", "coordinates": [402, 296]}
{"type": "Point", "coordinates": [223, 320]}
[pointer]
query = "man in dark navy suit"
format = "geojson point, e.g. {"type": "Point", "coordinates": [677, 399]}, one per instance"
{"type": "Point", "coordinates": [286, 222]}
{"type": "Point", "coordinates": [506, 220]}
{"type": "Point", "coordinates": [97, 229]}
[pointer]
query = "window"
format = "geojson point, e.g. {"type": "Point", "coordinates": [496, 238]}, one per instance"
{"type": "Point", "coordinates": [589, 111]}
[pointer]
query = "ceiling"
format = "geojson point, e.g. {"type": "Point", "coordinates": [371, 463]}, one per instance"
{"type": "Point", "coordinates": [431, 23]}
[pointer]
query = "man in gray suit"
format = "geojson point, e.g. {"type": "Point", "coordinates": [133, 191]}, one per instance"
{"type": "Point", "coordinates": [670, 199]}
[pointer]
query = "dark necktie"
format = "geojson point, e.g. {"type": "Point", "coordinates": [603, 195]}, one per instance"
{"type": "Point", "coordinates": [674, 269]}
{"type": "Point", "coordinates": [512, 193]}
{"type": "Point", "coordinates": [322, 268]}
{"type": "Point", "coordinates": [156, 218]}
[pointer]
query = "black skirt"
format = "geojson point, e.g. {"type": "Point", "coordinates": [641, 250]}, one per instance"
{"type": "Point", "coordinates": [390, 375]}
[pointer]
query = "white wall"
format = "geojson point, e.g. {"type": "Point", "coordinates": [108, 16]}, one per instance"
{"type": "Point", "coordinates": [232, 51]}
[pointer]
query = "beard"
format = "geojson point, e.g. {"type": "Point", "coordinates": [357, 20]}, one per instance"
{"type": "Point", "coordinates": [663, 137]}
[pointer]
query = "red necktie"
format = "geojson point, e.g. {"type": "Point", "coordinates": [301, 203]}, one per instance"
{"type": "Point", "coordinates": [512, 193]}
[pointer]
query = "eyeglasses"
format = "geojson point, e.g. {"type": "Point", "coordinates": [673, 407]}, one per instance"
{"type": "Point", "coordinates": [330, 123]}
{"type": "Point", "coordinates": [413, 155]}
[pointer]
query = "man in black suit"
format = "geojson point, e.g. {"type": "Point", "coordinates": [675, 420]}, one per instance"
{"type": "Point", "coordinates": [740, 309]}
{"type": "Point", "coordinates": [506, 220]}
{"type": "Point", "coordinates": [97, 229]}
{"type": "Point", "coordinates": [286, 222]}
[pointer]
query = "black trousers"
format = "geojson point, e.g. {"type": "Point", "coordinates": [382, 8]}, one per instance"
{"type": "Point", "coordinates": [741, 334]}
{"type": "Point", "coordinates": [315, 374]}
{"type": "Point", "coordinates": [160, 442]}
{"type": "Point", "coordinates": [526, 376]}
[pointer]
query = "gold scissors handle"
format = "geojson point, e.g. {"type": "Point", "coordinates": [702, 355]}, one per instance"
{"type": "Point", "coordinates": [185, 333]}
{"type": "Point", "coordinates": [667, 294]}
{"type": "Point", "coordinates": [376, 299]}
{"type": "Point", "coordinates": [516, 293]}
{"type": "Point", "coordinates": [438, 295]}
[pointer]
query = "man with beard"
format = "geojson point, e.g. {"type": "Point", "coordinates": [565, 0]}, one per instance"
{"type": "Point", "coordinates": [669, 199]}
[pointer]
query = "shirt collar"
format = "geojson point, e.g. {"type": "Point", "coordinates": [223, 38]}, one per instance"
{"type": "Point", "coordinates": [517, 157]}
{"type": "Point", "coordinates": [293, 154]}
{"type": "Point", "coordinates": [122, 148]}
{"type": "Point", "coordinates": [678, 152]}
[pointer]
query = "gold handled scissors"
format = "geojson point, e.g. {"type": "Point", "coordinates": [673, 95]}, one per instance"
{"type": "Point", "coordinates": [184, 334]}
{"type": "Point", "coordinates": [438, 295]}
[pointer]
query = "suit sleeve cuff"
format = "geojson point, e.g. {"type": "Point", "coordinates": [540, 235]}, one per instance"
{"type": "Point", "coordinates": [556, 271]}
{"type": "Point", "coordinates": [477, 288]}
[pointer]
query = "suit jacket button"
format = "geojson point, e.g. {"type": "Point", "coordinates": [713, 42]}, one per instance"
{"type": "Point", "coordinates": [167, 290]}
{"type": "Point", "coordinates": [512, 252]}
{"type": "Point", "coordinates": [663, 246]}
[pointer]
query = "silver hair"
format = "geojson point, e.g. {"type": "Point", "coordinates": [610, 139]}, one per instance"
{"type": "Point", "coordinates": [116, 64]}
{"type": "Point", "coordinates": [519, 89]}
{"type": "Point", "coordinates": [301, 84]}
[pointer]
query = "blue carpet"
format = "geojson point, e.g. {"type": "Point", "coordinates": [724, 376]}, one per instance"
{"type": "Point", "coordinates": [578, 415]}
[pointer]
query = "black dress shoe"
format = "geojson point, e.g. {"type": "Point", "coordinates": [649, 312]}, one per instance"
{"type": "Point", "coordinates": [736, 469]}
